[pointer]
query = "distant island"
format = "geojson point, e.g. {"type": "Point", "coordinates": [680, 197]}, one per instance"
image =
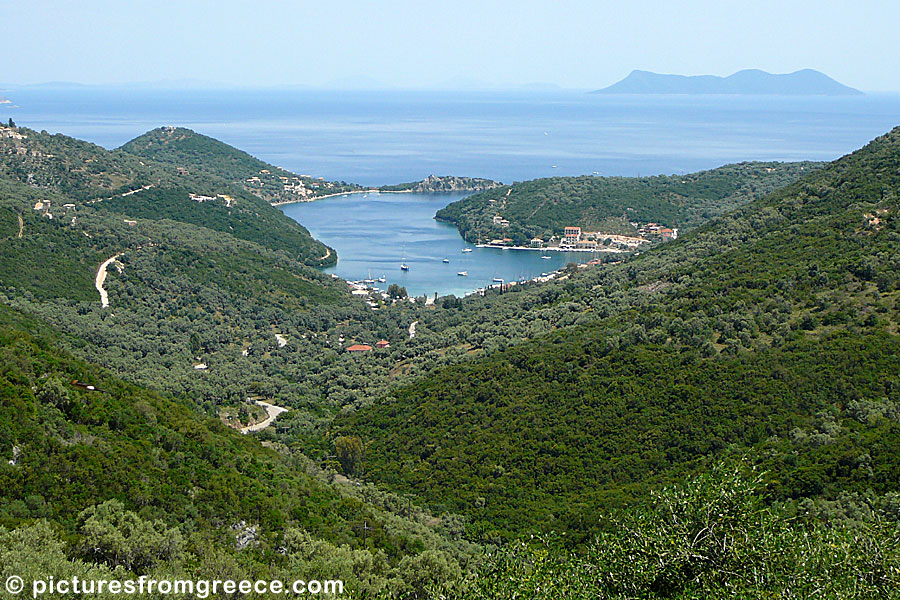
{"type": "Point", "coordinates": [806, 82]}
{"type": "Point", "coordinates": [446, 183]}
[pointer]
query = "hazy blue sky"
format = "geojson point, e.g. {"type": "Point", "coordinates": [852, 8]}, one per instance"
{"type": "Point", "coordinates": [422, 43]}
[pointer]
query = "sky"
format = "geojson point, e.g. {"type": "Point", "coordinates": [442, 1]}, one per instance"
{"type": "Point", "coordinates": [579, 44]}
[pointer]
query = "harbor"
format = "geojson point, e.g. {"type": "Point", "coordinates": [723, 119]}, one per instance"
{"type": "Point", "coordinates": [376, 234]}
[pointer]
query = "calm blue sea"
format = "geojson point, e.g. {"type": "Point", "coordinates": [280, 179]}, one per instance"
{"type": "Point", "coordinates": [375, 233]}
{"type": "Point", "coordinates": [374, 138]}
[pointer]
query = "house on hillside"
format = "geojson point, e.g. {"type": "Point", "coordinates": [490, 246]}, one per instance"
{"type": "Point", "coordinates": [382, 344]}
{"type": "Point", "coordinates": [359, 348]}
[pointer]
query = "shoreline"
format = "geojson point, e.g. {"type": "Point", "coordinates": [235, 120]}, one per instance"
{"type": "Point", "coordinates": [375, 191]}
{"type": "Point", "coordinates": [369, 191]}
{"type": "Point", "coordinates": [551, 249]}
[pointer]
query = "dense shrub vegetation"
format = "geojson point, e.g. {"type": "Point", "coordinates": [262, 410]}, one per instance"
{"type": "Point", "coordinates": [759, 331]}
{"type": "Point", "coordinates": [544, 207]}
{"type": "Point", "coordinates": [768, 334]}
{"type": "Point", "coordinates": [193, 152]}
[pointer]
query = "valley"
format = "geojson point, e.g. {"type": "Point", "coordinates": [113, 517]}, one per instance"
{"type": "Point", "coordinates": [749, 364]}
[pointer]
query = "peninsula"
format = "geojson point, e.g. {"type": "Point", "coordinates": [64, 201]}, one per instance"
{"type": "Point", "coordinates": [806, 82]}
{"type": "Point", "coordinates": [446, 183]}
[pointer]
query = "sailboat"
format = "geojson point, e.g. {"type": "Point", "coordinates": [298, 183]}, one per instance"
{"type": "Point", "coordinates": [369, 280]}
{"type": "Point", "coordinates": [403, 265]}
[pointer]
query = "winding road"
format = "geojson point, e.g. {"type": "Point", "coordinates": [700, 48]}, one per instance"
{"type": "Point", "coordinates": [101, 278]}
{"type": "Point", "coordinates": [273, 412]}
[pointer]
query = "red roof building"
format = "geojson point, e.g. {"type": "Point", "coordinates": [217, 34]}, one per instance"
{"type": "Point", "coordinates": [383, 344]}
{"type": "Point", "coordinates": [359, 348]}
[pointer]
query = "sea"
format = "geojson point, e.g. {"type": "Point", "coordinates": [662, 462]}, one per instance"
{"type": "Point", "coordinates": [372, 243]}
{"type": "Point", "coordinates": [385, 137]}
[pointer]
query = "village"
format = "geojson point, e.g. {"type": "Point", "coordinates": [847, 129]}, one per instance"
{"type": "Point", "coordinates": [576, 240]}
{"type": "Point", "coordinates": [285, 189]}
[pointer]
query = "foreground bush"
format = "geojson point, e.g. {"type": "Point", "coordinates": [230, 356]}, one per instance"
{"type": "Point", "coordinates": [712, 537]}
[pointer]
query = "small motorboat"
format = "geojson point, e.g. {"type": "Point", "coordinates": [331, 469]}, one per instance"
{"type": "Point", "coordinates": [545, 257]}
{"type": "Point", "coordinates": [446, 260]}
{"type": "Point", "coordinates": [404, 267]}
{"type": "Point", "coordinates": [466, 249]}
{"type": "Point", "coordinates": [463, 273]}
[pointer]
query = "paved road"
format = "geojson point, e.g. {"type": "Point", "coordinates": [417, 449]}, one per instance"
{"type": "Point", "coordinates": [273, 412]}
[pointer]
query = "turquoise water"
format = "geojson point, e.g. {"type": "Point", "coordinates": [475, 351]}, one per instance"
{"type": "Point", "coordinates": [373, 233]}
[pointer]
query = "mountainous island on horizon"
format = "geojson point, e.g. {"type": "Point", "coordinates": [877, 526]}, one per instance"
{"type": "Point", "coordinates": [806, 82]}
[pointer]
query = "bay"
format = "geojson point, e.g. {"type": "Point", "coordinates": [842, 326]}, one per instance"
{"type": "Point", "coordinates": [386, 137]}
{"type": "Point", "coordinates": [374, 233]}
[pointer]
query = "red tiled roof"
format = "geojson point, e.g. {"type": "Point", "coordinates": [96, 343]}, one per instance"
{"type": "Point", "coordinates": [359, 348]}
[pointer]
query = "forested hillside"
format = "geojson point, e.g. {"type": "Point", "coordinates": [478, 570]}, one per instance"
{"type": "Point", "coordinates": [766, 337]}
{"type": "Point", "coordinates": [544, 207]}
{"type": "Point", "coordinates": [189, 151]}
{"type": "Point", "coordinates": [101, 474]}
{"type": "Point", "coordinates": [89, 178]}
{"type": "Point", "coordinates": [443, 183]}
{"type": "Point", "coordinates": [772, 331]}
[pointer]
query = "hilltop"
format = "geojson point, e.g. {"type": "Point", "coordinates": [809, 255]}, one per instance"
{"type": "Point", "coordinates": [543, 208]}
{"type": "Point", "coordinates": [188, 150]}
{"type": "Point", "coordinates": [92, 178]}
{"type": "Point", "coordinates": [748, 82]}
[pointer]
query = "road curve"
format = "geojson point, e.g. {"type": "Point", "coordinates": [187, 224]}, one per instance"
{"type": "Point", "coordinates": [273, 412]}
{"type": "Point", "coordinates": [101, 278]}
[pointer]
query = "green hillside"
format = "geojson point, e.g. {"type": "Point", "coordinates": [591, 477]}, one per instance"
{"type": "Point", "coordinates": [773, 330]}
{"type": "Point", "coordinates": [544, 207]}
{"type": "Point", "coordinates": [127, 478]}
{"type": "Point", "coordinates": [190, 152]}
{"type": "Point", "coordinates": [766, 337]}
{"type": "Point", "coordinates": [116, 183]}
